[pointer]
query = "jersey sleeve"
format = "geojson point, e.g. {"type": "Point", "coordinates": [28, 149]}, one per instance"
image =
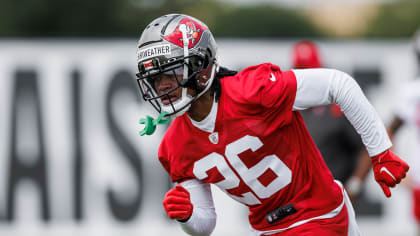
{"type": "Point", "coordinates": [163, 157]}
{"type": "Point", "coordinates": [171, 150]}
{"type": "Point", "coordinates": [167, 159]}
{"type": "Point", "coordinates": [264, 87]}
{"type": "Point", "coordinates": [170, 165]}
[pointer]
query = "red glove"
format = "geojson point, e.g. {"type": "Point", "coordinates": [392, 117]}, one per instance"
{"type": "Point", "coordinates": [177, 203]}
{"type": "Point", "coordinates": [389, 170]}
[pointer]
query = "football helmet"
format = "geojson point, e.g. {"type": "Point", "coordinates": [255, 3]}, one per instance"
{"type": "Point", "coordinates": [305, 55]}
{"type": "Point", "coordinates": [180, 46]}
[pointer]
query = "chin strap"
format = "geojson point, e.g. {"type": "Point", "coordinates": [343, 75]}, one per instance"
{"type": "Point", "coordinates": [150, 123]}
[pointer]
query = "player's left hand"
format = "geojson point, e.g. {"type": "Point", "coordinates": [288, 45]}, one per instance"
{"type": "Point", "coordinates": [389, 170]}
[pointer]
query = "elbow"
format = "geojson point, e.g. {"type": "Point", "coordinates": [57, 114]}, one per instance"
{"type": "Point", "coordinates": [201, 223]}
{"type": "Point", "coordinates": [343, 86]}
{"type": "Point", "coordinates": [343, 78]}
{"type": "Point", "coordinates": [208, 225]}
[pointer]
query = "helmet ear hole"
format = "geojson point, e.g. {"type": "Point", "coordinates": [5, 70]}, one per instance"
{"type": "Point", "coordinates": [209, 52]}
{"type": "Point", "coordinates": [207, 59]}
{"type": "Point", "coordinates": [206, 62]}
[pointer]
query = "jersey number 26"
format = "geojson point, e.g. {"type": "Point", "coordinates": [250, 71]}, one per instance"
{"type": "Point", "coordinates": [248, 175]}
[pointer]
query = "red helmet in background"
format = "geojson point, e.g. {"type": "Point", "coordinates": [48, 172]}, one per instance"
{"type": "Point", "coordinates": [306, 55]}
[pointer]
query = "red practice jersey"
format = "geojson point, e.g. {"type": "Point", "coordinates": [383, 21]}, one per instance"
{"type": "Point", "coordinates": [260, 152]}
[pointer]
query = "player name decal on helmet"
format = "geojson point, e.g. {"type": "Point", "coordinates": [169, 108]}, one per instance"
{"type": "Point", "coordinates": [153, 51]}
{"type": "Point", "coordinates": [214, 138]}
{"type": "Point", "coordinates": [193, 29]}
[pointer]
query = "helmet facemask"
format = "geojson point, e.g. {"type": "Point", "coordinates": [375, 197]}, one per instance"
{"type": "Point", "coordinates": [197, 69]}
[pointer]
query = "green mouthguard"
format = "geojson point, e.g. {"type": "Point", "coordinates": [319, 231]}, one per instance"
{"type": "Point", "coordinates": [150, 123]}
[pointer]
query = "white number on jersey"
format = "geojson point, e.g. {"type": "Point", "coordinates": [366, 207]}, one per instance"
{"type": "Point", "coordinates": [249, 175]}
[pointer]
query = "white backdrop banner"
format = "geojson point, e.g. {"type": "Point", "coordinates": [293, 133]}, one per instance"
{"type": "Point", "coordinates": [71, 159]}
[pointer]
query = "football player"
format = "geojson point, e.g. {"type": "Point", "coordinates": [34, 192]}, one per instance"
{"type": "Point", "coordinates": [243, 132]}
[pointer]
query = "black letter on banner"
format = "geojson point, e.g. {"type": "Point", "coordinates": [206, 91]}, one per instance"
{"type": "Point", "coordinates": [78, 166]}
{"type": "Point", "coordinates": [121, 209]}
{"type": "Point", "coordinates": [26, 115]}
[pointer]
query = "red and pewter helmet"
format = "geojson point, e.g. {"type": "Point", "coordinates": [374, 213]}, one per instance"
{"type": "Point", "coordinates": [181, 46]}
{"type": "Point", "coordinates": [306, 55]}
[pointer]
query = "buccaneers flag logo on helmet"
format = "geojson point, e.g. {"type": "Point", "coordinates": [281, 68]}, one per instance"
{"type": "Point", "coordinates": [194, 31]}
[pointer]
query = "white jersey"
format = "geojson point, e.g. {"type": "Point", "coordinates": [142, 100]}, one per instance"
{"type": "Point", "coordinates": [408, 110]}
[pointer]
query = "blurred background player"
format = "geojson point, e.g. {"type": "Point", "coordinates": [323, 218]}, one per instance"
{"type": "Point", "coordinates": [305, 54]}
{"type": "Point", "coordinates": [407, 113]}
{"type": "Point", "coordinates": [338, 138]}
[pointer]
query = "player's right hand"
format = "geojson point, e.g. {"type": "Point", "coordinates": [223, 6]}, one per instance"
{"type": "Point", "coordinates": [389, 170]}
{"type": "Point", "coordinates": [177, 203]}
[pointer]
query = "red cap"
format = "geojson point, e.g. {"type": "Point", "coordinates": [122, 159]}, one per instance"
{"type": "Point", "coordinates": [306, 55]}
